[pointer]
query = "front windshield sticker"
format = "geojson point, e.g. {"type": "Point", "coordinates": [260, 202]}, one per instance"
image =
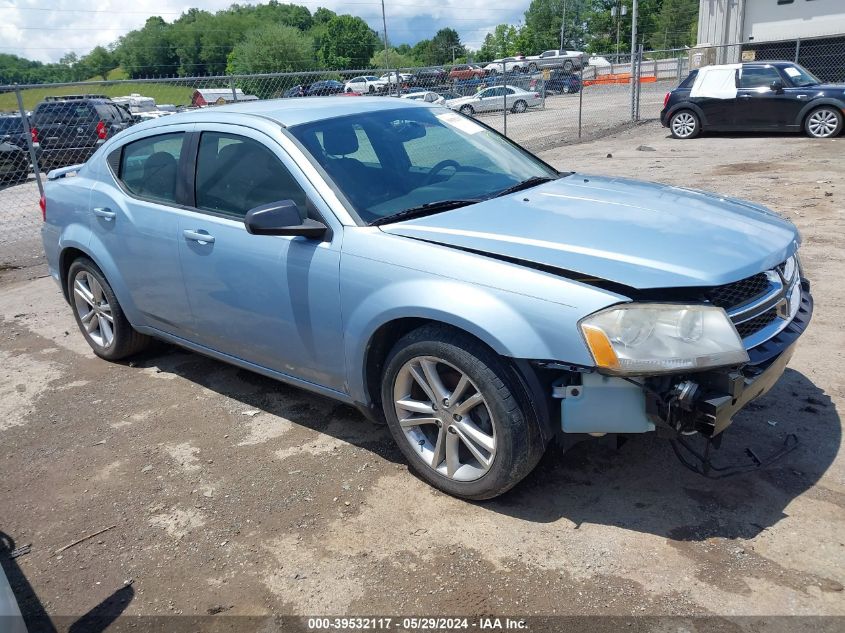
{"type": "Point", "coordinates": [456, 120]}
{"type": "Point", "coordinates": [792, 72]}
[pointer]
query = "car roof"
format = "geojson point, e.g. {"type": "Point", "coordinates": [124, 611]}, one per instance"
{"type": "Point", "coordinates": [761, 62]}
{"type": "Point", "coordinates": [289, 112]}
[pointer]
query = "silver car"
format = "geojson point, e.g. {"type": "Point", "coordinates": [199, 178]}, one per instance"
{"type": "Point", "coordinates": [495, 99]}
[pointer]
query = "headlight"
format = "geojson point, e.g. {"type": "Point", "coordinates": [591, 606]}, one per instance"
{"type": "Point", "coordinates": [643, 338]}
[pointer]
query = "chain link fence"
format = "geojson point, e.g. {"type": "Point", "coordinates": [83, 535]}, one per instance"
{"type": "Point", "coordinates": [44, 127]}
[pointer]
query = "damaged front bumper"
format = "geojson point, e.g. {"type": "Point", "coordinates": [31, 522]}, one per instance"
{"type": "Point", "coordinates": [684, 404]}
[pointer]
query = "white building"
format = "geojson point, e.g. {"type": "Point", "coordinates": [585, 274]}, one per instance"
{"type": "Point", "coordinates": [753, 23]}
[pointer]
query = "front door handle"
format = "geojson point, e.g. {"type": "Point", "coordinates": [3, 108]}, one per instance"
{"type": "Point", "coordinates": [198, 236]}
{"type": "Point", "coordinates": [105, 213]}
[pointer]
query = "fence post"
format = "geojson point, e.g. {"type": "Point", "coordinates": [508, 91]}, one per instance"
{"type": "Point", "coordinates": [580, 96]}
{"type": "Point", "coordinates": [504, 101]}
{"type": "Point", "coordinates": [232, 86]}
{"type": "Point", "coordinates": [28, 132]}
{"type": "Point", "coordinates": [797, 48]}
{"type": "Point", "coordinates": [639, 81]}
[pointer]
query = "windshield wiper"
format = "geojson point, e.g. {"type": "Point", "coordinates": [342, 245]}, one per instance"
{"type": "Point", "coordinates": [524, 184]}
{"type": "Point", "coordinates": [429, 208]}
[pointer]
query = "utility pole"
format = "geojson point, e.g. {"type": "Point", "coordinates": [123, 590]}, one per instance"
{"type": "Point", "coordinates": [386, 55]}
{"type": "Point", "coordinates": [563, 25]}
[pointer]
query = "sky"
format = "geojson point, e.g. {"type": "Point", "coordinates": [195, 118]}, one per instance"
{"type": "Point", "coordinates": [47, 29]}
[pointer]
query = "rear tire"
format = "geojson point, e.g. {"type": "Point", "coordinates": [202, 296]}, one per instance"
{"type": "Point", "coordinates": [823, 122]}
{"type": "Point", "coordinates": [519, 107]}
{"type": "Point", "coordinates": [99, 315]}
{"type": "Point", "coordinates": [484, 441]}
{"type": "Point", "coordinates": [685, 124]}
{"type": "Point", "coordinates": [568, 65]}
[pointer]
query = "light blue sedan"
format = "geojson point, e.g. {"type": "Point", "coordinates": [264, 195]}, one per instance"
{"type": "Point", "coordinates": [411, 261]}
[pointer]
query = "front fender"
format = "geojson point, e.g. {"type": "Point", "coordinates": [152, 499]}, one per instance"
{"type": "Point", "coordinates": [519, 312]}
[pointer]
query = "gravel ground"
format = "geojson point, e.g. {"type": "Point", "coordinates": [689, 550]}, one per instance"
{"type": "Point", "coordinates": [232, 494]}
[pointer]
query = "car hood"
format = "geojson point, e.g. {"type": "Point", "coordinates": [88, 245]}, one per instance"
{"type": "Point", "coordinates": [642, 235]}
{"type": "Point", "coordinates": [461, 100]}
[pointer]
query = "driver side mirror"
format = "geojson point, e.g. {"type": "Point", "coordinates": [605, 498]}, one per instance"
{"type": "Point", "coordinates": [776, 86]}
{"type": "Point", "coordinates": [282, 218]}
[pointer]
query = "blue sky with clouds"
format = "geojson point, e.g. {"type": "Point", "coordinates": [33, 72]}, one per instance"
{"type": "Point", "coordinates": [47, 29]}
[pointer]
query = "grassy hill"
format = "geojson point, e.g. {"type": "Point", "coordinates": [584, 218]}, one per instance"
{"type": "Point", "coordinates": [161, 92]}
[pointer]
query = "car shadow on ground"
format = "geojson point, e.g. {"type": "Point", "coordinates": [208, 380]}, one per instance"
{"type": "Point", "coordinates": [99, 618]}
{"type": "Point", "coordinates": [753, 135]}
{"type": "Point", "coordinates": [641, 486]}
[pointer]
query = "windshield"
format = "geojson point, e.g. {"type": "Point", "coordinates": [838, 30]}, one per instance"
{"type": "Point", "coordinates": [391, 160]}
{"type": "Point", "coordinates": [800, 76]}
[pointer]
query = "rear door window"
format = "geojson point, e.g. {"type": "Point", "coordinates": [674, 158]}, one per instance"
{"type": "Point", "coordinates": [149, 166]}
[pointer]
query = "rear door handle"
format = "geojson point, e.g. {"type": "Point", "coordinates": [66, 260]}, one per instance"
{"type": "Point", "coordinates": [105, 213]}
{"type": "Point", "coordinates": [197, 236]}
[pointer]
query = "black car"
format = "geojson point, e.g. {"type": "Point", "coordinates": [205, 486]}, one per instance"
{"type": "Point", "coordinates": [429, 77]}
{"type": "Point", "coordinates": [297, 91]}
{"type": "Point", "coordinates": [14, 163]}
{"type": "Point", "coordinates": [323, 88]}
{"type": "Point", "coordinates": [771, 96]}
{"type": "Point", "coordinates": [69, 129]}
{"type": "Point", "coordinates": [563, 81]}
{"type": "Point", "coordinates": [12, 130]}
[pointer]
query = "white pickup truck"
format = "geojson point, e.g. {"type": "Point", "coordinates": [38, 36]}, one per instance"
{"type": "Point", "coordinates": [568, 60]}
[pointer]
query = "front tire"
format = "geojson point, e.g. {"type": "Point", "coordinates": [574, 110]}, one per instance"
{"type": "Point", "coordinates": [99, 315]}
{"type": "Point", "coordinates": [568, 66]}
{"type": "Point", "coordinates": [466, 110]}
{"type": "Point", "coordinates": [532, 68]}
{"type": "Point", "coordinates": [456, 411]}
{"type": "Point", "coordinates": [823, 122]}
{"type": "Point", "coordinates": [685, 124]}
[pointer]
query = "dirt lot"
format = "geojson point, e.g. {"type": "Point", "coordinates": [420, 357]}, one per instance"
{"type": "Point", "coordinates": [230, 493]}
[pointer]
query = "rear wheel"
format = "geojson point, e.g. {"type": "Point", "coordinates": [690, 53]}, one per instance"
{"type": "Point", "coordinates": [99, 315]}
{"type": "Point", "coordinates": [568, 65]}
{"type": "Point", "coordinates": [455, 410]}
{"type": "Point", "coordinates": [532, 67]}
{"type": "Point", "coordinates": [824, 122]}
{"type": "Point", "coordinates": [520, 106]}
{"type": "Point", "coordinates": [467, 110]}
{"type": "Point", "coordinates": [685, 124]}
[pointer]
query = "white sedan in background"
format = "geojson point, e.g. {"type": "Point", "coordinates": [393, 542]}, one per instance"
{"type": "Point", "coordinates": [425, 95]}
{"type": "Point", "coordinates": [364, 84]}
{"type": "Point", "coordinates": [507, 65]}
{"type": "Point", "coordinates": [496, 98]}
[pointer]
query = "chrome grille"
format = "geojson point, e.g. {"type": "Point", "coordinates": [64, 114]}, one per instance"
{"type": "Point", "coordinates": [740, 292]}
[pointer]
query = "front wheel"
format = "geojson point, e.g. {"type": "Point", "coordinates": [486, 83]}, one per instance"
{"type": "Point", "coordinates": [454, 408]}
{"type": "Point", "coordinates": [824, 122]}
{"type": "Point", "coordinates": [467, 110]}
{"type": "Point", "coordinates": [99, 315]}
{"type": "Point", "coordinates": [568, 66]}
{"type": "Point", "coordinates": [519, 107]}
{"type": "Point", "coordinates": [532, 68]}
{"type": "Point", "coordinates": [685, 124]}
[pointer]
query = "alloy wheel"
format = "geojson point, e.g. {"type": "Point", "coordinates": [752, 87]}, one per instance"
{"type": "Point", "coordinates": [822, 123]}
{"type": "Point", "coordinates": [683, 124]}
{"type": "Point", "coordinates": [93, 309]}
{"type": "Point", "coordinates": [445, 418]}
{"type": "Point", "coordinates": [520, 106]}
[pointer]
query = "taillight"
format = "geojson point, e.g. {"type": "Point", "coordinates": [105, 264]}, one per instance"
{"type": "Point", "coordinates": [43, 204]}
{"type": "Point", "coordinates": [101, 130]}
{"type": "Point", "coordinates": [536, 95]}
{"type": "Point", "coordinates": [666, 98]}
{"type": "Point", "coordinates": [33, 132]}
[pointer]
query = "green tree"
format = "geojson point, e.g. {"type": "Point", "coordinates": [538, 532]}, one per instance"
{"type": "Point", "coordinates": [148, 51]}
{"type": "Point", "coordinates": [269, 49]}
{"type": "Point", "coordinates": [602, 26]}
{"type": "Point", "coordinates": [674, 25]}
{"type": "Point", "coordinates": [393, 59]}
{"type": "Point", "coordinates": [543, 20]}
{"type": "Point", "coordinates": [348, 43]}
{"type": "Point", "coordinates": [444, 46]}
{"type": "Point", "coordinates": [98, 63]}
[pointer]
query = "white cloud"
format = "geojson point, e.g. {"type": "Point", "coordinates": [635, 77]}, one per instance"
{"type": "Point", "coordinates": [47, 29]}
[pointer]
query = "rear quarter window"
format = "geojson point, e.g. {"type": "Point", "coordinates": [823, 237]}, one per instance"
{"type": "Point", "coordinates": [686, 84]}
